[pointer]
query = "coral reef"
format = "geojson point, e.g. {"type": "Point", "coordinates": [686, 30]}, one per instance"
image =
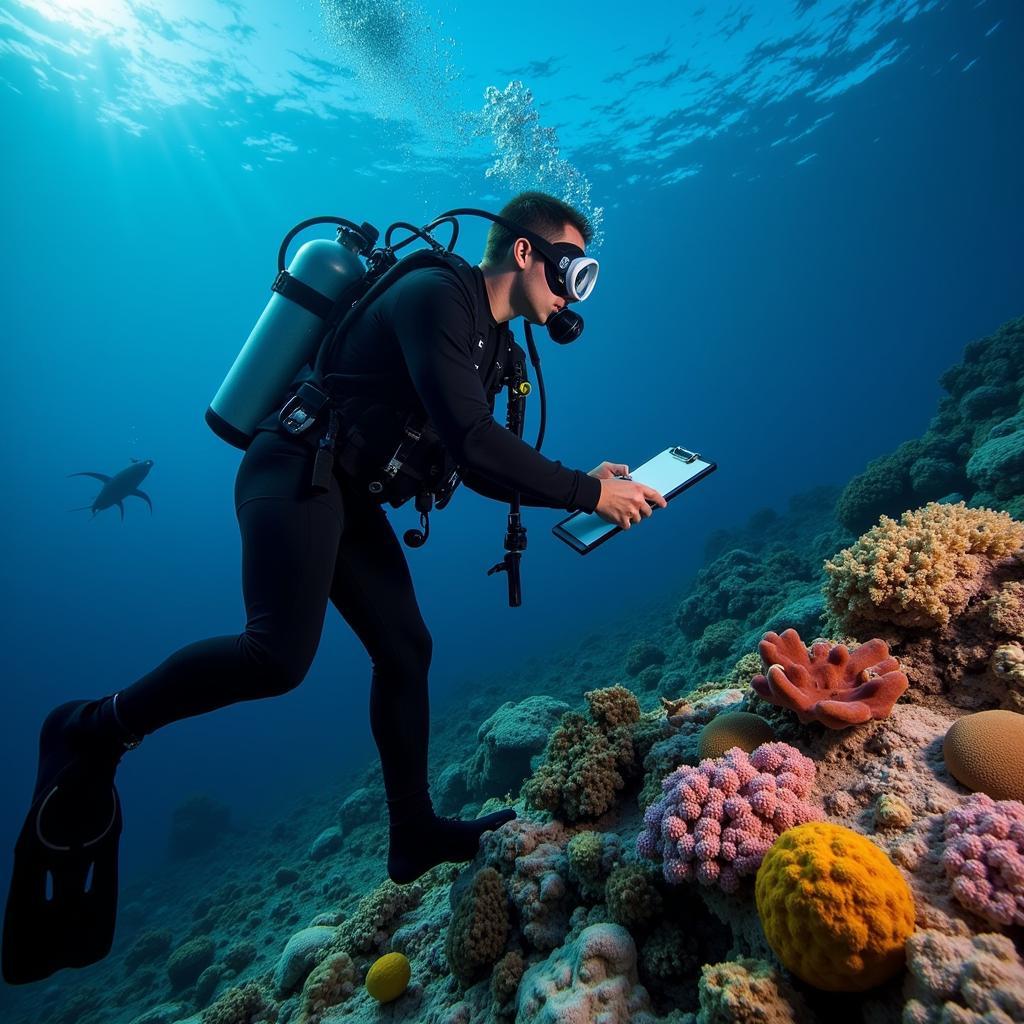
{"type": "Point", "coordinates": [591, 856]}
{"type": "Point", "coordinates": [984, 857]}
{"type": "Point", "coordinates": [715, 822]}
{"type": "Point", "coordinates": [829, 684]}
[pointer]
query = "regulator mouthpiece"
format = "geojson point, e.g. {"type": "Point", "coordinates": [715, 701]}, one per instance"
{"type": "Point", "coordinates": [564, 326]}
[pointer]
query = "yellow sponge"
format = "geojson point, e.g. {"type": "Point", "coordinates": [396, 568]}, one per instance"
{"type": "Point", "coordinates": [834, 908]}
{"type": "Point", "coordinates": [389, 977]}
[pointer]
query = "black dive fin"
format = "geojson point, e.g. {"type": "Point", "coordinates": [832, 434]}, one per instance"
{"type": "Point", "coordinates": [62, 904]}
{"type": "Point", "coordinates": [120, 505]}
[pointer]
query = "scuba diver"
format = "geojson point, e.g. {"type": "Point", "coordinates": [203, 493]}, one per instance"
{"type": "Point", "coordinates": [403, 408]}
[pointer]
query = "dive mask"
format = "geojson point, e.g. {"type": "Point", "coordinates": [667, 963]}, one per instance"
{"type": "Point", "coordinates": [569, 272]}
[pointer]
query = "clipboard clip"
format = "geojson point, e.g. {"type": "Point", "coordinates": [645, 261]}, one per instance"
{"type": "Point", "coordinates": [685, 454]}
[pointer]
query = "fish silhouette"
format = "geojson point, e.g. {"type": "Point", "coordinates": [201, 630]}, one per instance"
{"type": "Point", "coordinates": [116, 488]}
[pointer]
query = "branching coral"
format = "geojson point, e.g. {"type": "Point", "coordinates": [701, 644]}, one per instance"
{"type": "Point", "coordinates": [586, 763]}
{"type": "Point", "coordinates": [715, 822]}
{"type": "Point", "coordinates": [375, 915]}
{"type": "Point", "coordinates": [984, 857]}
{"type": "Point", "coordinates": [246, 1004]}
{"type": "Point", "coordinates": [329, 984]}
{"type": "Point", "coordinates": [829, 684]}
{"type": "Point", "coordinates": [1005, 610]}
{"type": "Point", "coordinates": [920, 571]}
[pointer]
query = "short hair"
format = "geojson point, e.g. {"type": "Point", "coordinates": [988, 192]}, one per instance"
{"type": "Point", "coordinates": [535, 211]}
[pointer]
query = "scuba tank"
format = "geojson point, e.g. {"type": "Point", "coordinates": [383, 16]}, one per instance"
{"type": "Point", "coordinates": [321, 281]}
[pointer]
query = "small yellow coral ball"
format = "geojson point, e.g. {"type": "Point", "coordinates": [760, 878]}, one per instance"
{"type": "Point", "coordinates": [834, 908]}
{"type": "Point", "coordinates": [389, 977]}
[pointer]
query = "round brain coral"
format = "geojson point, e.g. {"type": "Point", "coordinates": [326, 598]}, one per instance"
{"type": "Point", "coordinates": [920, 571]}
{"type": "Point", "coordinates": [833, 907]}
{"type": "Point", "coordinates": [983, 751]}
{"type": "Point", "coordinates": [733, 729]}
{"type": "Point", "coordinates": [716, 821]}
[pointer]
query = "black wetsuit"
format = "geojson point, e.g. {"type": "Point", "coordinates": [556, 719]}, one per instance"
{"type": "Point", "coordinates": [419, 341]}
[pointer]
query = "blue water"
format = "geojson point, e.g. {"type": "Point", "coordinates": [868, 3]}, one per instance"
{"type": "Point", "coordinates": [807, 210]}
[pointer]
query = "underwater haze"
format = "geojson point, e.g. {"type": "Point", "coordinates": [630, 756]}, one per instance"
{"type": "Point", "coordinates": [804, 213]}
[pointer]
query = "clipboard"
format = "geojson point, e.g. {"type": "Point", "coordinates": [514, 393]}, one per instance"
{"type": "Point", "coordinates": [670, 472]}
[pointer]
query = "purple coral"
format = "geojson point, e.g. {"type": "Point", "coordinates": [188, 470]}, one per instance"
{"type": "Point", "coordinates": [716, 821]}
{"type": "Point", "coordinates": [984, 857]}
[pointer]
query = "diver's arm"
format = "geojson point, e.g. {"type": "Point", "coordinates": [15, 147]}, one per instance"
{"type": "Point", "coordinates": [489, 489]}
{"type": "Point", "coordinates": [434, 327]}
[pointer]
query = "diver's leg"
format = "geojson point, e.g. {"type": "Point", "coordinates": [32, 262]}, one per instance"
{"type": "Point", "coordinates": [373, 590]}
{"type": "Point", "coordinates": [289, 539]}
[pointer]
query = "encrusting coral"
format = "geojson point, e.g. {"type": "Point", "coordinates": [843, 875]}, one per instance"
{"type": "Point", "coordinates": [829, 684]}
{"type": "Point", "coordinates": [959, 979]}
{"type": "Point", "coordinates": [834, 908]}
{"type": "Point", "coordinates": [984, 857]}
{"type": "Point", "coordinates": [918, 572]}
{"type": "Point", "coordinates": [716, 821]}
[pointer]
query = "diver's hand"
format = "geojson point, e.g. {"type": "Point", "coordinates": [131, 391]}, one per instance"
{"type": "Point", "coordinates": [624, 502]}
{"type": "Point", "coordinates": [609, 469]}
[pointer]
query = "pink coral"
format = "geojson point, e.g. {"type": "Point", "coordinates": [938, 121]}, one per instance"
{"type": "Point", "coordinates": [829, 684]}
{"type": "Point", "coordinates": [717, 820]}
{"type": "Point", "coordinates": [984, 857]}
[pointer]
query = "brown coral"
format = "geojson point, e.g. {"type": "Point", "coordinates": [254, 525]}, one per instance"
{"type": "Point", "coordinates": [829, 684]}
{"type": "Point", "coordinates": [1005, 610]}
{"type": "Point", "coordinates": [733, 729]}
{"type": "Point", "coordinates": [587, 763]}
{"type": "Point", "coordinates": [921, 571]}
{"type": "Point", "coordinates": [479, 927]}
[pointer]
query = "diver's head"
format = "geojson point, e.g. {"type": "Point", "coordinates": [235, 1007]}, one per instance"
{"type": "Point", "coordinates": [537, 270]}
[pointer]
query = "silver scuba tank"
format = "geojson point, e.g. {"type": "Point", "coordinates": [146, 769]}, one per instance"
{"type": "Point", "coordinates": [290, 328]}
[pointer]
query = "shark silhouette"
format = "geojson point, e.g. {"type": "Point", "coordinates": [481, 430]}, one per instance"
{"type": "Point", "coordinates": [116, 488]}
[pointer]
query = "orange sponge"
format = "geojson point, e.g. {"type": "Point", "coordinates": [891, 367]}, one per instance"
{"type": "Point", "coordinates": [834, 908]}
